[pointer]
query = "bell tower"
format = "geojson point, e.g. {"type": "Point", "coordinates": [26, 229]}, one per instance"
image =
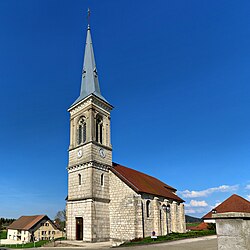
{"type": "Point", "coordinates": [90, 157]}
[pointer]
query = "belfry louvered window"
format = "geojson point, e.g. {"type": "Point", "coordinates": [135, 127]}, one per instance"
{"type": "Point", "coordinates": [98, 130]}
{"type": "Point", "coordinates": [82, 133]}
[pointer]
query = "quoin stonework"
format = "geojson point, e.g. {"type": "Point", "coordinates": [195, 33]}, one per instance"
{"type": "Point", "coordinates": [108, 201]}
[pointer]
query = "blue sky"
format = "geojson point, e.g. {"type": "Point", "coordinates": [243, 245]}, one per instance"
{"type": "Point", "coordinates": [177, 73]}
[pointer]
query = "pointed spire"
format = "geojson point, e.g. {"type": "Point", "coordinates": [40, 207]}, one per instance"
{"type": "Point", "coordinates": [90, 83]}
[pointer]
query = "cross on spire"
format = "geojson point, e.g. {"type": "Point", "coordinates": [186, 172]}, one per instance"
{"type": "Point", "coordinates": [88, 17]}
{"type": "Point", "coordinates": [90, 83]}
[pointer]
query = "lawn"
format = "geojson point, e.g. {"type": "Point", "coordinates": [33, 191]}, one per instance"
{"type": "Point", "coordinates": [169, 237]}
{"type": "Point", "coordinates": [27, 245]}
{"type": "Point", "coordinates": [3, 234]}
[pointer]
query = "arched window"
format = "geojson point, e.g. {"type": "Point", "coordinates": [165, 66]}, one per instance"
{"type": "Point", "coordinates": [98, 130]}
{"type": "Point", "coordinates": [147, 208]}
{"type": "Point", "coordinates": [81, 129]}
{"type": "Point", "coordinates": [79, 179]}
{"type": "Point", "coordinates": [102, 179]}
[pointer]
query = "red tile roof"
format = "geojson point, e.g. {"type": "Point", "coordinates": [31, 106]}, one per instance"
{"type": "Point", "coordinates": [234, 203]}
{"type": "Point", "coordinates": [142, 183]}
{"type": "Point", "coordinates": [26, 222]}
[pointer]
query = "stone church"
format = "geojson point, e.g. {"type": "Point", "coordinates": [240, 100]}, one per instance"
{"type": "Point", "coordinates": [108, 201]}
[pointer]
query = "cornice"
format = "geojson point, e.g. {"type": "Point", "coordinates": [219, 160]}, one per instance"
{"type": "Point", "coordinates": [90, 164]}
{"type": "Point", "coordinates": [91, 99]}
{"type": "Point", "coordinates": [93, 142]}
{"type": "Point", "coordinates": [90, 199]}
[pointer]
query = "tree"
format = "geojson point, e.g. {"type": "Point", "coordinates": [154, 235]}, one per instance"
{"type": "Point", "coordinates": [60, 219]}
{"type": "Point", "coordinates": [211, 226]}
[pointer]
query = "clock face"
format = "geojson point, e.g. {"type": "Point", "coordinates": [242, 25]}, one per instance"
{"type": "Point", "coordinates": [102, 153]}
{"type": "Point", "coordinates": [79, 153]}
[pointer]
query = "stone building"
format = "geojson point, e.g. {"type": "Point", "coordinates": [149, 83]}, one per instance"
{"type": "Point", "coordinates": [33, 228]}
{"type": "Point", "coordinates": [108, 201]}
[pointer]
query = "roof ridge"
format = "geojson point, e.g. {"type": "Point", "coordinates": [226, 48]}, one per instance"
{"type": "Point", "coordinates": [25, 222]}
{"type": "Point", "coordinates": [145, 174]}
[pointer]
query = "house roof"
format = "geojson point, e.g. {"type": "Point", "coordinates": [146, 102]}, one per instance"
{"type": "Point", "coordinates": [26, 222]}
{"type": "Point", "coordinates": [143, 183]}
{"type": "Point", "coordinates": [234, 203]}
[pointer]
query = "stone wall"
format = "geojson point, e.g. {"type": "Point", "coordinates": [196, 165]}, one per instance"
{"type": "Point", "coordinates": [129, 218]}
{"type": "Point", "coordinates": [79, 209]}
{"type": "Point", "coordinates": [124, 209]}
{"type": "Point", "coordinates": [83, 190]}
{"type": "Point", "coordinates": [101, 221]}
{"type": "Point", "coordinates": [233, 231]}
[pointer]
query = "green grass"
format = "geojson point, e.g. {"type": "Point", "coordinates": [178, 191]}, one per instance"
{"type": "Point", "coordinates": [27, 245]}
{"type": "Point", "coordinates": [194, 224]}
{"type": "Point", "coordinates": [169, 237]}
{"type": "Point", "coordinates": [3, 234]}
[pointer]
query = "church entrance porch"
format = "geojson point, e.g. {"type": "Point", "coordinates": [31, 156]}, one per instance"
{"type": "Point", "coordinates": [79, 228]}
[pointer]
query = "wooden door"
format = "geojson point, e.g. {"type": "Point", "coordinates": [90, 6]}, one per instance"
{"type": "Point", "coordinates": [79, 228]}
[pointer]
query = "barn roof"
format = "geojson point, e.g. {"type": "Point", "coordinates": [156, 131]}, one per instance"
{"type": "Point", "coordinates": [27, 222]}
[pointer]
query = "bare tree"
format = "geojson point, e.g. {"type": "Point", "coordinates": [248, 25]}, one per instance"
{"type": "Point", "coordinates": [60, 219]}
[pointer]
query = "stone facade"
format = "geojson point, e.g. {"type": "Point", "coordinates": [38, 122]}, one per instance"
{"type": "Point", "coordinates": [233, 230]}
{"type": "Point", "coordinates": [88, 172]}
{"type": "Point", "coordinates": [125, 211]}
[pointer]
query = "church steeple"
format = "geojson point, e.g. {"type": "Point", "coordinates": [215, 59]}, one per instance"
{"type": "Point", "coordinates": [90, 83]}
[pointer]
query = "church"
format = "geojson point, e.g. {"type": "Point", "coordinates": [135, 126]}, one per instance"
{"type": "Point", "coordinates": [107, 201]}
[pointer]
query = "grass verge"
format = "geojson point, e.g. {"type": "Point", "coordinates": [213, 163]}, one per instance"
{"type": "Point", "coordinates": [27, 245]}
{"type": "Point", "coordinates": [169, 237]}
{"type": "Point", "coordinates": [194, 224]}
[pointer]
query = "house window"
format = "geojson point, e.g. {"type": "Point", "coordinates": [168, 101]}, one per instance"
{"type": "Point", "coordinates": [81, 130]}
{"type": "Point", "coordinates": [102, 179]}
{"type": "Point", "coordinates": [47, 224]}
{"type": "Point", "coordinates": [98, 131]}
{"type": "Point", "coordinates": [79, 179]}
{"type": "Point", "coordinates": [42, 224]}
{"type": "Point", "coordinates": [147, 208]}
{"type": "Point", "coordinates": [53, 232]}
